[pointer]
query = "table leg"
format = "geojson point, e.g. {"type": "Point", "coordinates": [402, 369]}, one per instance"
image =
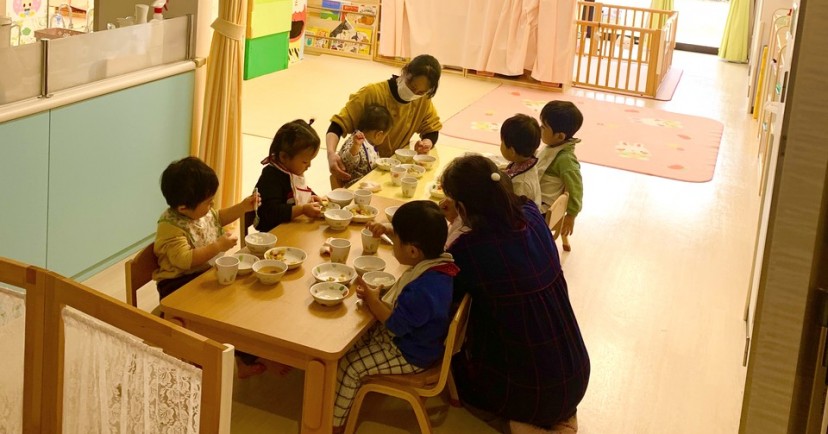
{"type": "Point", "coordinates": [318, 397]}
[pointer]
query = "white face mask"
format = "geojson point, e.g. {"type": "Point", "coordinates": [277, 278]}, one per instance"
{"type": "Point", "coordinates": [405, 93]}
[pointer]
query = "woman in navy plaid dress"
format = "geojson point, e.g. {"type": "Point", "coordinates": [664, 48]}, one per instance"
{"type": "Point", "coordinates": [524, 358]}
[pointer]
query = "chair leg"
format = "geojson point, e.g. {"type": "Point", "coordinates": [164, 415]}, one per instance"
{"type": "Point", "coordinates": [418, 404]}
{"type": "Point", "coordinates": [351, 422]}
{"type": "Point", "coordinates": [454, 397]}
{"type": "Point", "coordinates": [565, 240]}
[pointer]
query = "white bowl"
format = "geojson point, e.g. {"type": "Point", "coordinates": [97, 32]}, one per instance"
{"type": "Point", "coordinates": [435, 189]}
{"type": "Point", "coordinates": [413, 170]}
{"type": "Point", "coordinates": [362, 213]}
{"type": "Point", "coordinates": [338, 219]}
{"type": "Point", "coordinates": [367, 264]}
{"type": "Point", "coordinates": [341, 196]}
{"type": "Point", "coordinates": [426, 161]}
{"type": "Point", "coordinates": [291, 256]}
{"type": "Point", "coordinates": [269, 271]}
{"type": "Point", "coordinates": [405, 155]}
{"type": "Point", "coordinates": [246, 262]}
{"type": "Point", "coordinates": [379, 279]}
{"type": "Point", "coordinates": [387, 163]}
{"type": "Point", "coordinates": [329, 293]}
{"type": "Point", "coordinates": [389, 212]}
{"type": "Point", "coordinates": [333, 272]}
{"type": "Point", "coordinates": [260, 242]}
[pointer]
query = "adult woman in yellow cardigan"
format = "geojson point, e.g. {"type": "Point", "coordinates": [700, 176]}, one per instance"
{"type": "Point", "coordinates": [407, 97]}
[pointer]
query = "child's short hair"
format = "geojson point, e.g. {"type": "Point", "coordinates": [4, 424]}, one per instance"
{"type": "Point", "coordinates": [422, 224]}
{"type": "Point", "coordinates": [188, 181]}
{"type": "Point", "coordinates": [375, 118]}
{"type": "Point", "coordinates": [562, 117]}
{"type": "Point", "coordinates": [521, 133]}
{"type": "Point", "coordinates": [293, 138]}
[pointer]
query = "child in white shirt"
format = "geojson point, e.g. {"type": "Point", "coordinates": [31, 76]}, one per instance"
{"type": "Point", "coordinates": [520, 136]}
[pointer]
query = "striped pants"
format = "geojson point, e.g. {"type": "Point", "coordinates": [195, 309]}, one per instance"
{"type": "Point", "coordinates": [374, 353]}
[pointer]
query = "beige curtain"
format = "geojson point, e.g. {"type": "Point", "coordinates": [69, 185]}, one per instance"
{"type": "Point", "coordinates": [221, 135]}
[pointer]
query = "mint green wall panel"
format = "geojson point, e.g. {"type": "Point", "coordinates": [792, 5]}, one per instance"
{"type": "Point", "coordinates": [24, 175]}
{"type": "Point", "coordinates": [106, 159]}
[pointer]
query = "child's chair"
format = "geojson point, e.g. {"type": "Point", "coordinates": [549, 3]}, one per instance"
{"type": "Point", "coordinates": [554, 218]}
{"type": "Point", "coordinates": [139, 272]}
{"type": "Point", "coordinates": [415, 388]}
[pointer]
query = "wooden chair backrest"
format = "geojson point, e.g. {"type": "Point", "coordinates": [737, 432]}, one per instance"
{"type": "Point", "coordinates": [139, 272]}
{"type": "Point", "coordinates": [454, 341]}
{"type": "Point", "coordinates": [556, 212]}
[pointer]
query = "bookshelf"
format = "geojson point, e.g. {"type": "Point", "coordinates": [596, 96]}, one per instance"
{"type": "Point", "coordinates": [342, 28]}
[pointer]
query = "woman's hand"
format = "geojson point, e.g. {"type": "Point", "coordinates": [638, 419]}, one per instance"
{"type": "Point", "coordinates": [448, 208]}
{"type": "Point", "coordinates": [337, 168]}
{"type": "Point", "coordinates": [423, 146]}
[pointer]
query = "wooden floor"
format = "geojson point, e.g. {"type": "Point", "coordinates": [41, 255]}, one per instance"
{"type": "Point", "coordinates": [657, 274]}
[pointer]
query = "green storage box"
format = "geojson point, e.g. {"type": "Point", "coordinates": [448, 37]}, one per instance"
{"type": "Point", "coordinates": [265, 55]}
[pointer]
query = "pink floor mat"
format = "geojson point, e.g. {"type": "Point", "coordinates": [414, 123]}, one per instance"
{"type": "Point", "coordinates": [638, 139]}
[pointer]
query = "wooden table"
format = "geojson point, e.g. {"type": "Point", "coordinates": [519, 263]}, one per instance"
{"type": "Point", "coordinates": [444, 155]}
{"type": "Point", "coordinates": [282, 322]}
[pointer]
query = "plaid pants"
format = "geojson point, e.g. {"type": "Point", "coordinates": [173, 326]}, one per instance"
{"type": "Point", "coordinates": [374, 353]}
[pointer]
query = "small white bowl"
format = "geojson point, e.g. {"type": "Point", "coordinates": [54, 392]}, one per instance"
{"type": "Point", "coordinates": [413, 170]}
{"type": "Point", "coordinates": [333, 272]}
{"type": "Point", "coordinates": [338, 219]}
{"type": "Point", "coordinates": [291, 256]}
{"type": "Point", "coordinates": [260, 242]}
{"type": "Point", "coordinates": [405, 155]}
{"type": "Point", "coordinates": [435, 189]}
{"type": "Point", "coordinates": [246, 262]}
{"type": "Point", "coordinates": [367, 264]}
{"type": "Point", "coordinates": [362, 213]}
{"type": "Point", "coordinates": [329, 293]}
{"type": "Point", "coordinates": [341, 196]}
{"type": "Point", "coordinates": [387, 163]}
{"type": "Point", "coordinates": [389, 212]}
{"type": "Point", "coordinates": [269, 271]}
{"type": "Point", "coordinates": [379, 279]}
{"type": "Point", "coordinates": [426, 161]}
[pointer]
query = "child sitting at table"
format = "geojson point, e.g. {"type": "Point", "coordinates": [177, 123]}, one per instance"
{"type": "Point", "coordinates": [413, 316]}
{"type": "Point", "coordinates": [358, 152]}
{"type": "Point", "coordinates": [520, 137]}
{"type": "Point", "coordinates": [191, 232]}
{"type": "Point", "coordinates": [282, 186]}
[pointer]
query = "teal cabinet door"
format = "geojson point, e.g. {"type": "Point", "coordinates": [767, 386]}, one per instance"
{"type": "Point", "coordinates": [24, 177]}
{"type": "Point", "coordinates": [106, 159]}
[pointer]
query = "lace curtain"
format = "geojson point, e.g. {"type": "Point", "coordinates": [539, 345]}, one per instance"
{"type": "Point", "coordinates": [12, 340]}
{"type": "Point", "coordinates": [115, 383]}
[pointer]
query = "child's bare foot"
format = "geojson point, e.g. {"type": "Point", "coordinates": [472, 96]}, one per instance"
{"type": "Point", "coordinates": [247, 371]}
{"type": "Point", "coordinates": [277, 368]}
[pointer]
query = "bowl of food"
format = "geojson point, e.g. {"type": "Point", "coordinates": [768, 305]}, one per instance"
{"type": "Point", "coordinates": [379, 280]}
{"type": "Point", "coordinates": [269, 271]}
{"type": "Point", "coordinates": [260, 242]}
{"type": "Point", "coordinates": [389, 212]}
{"type": "Point", "coordinates": [426, 161]}
{"type": "Point", "coordinates": [341, 196]}
{"type": "Point", "coordinates": [338, 219]}
{"type": "Point", "coordinates": [246, 262]}
{"type": "Point", "coordinates": [291, 256]}
{"type": "Point", "coordinates": [333, 272]}
{"type": "Point", "coordinates": [413, 170]}
{"type": "Point", "coordinates": [366, 264]}
{"type": "Point", "coordinates": [362, 213]}
{"type": "Point", "coordinates": [387, 163]}
{"type": "Point", "coordinates": [328, 293]}
{"type": "Point", "coordinates": [405, 155]}
{"type": "Point", "coordinates": [435, 189]}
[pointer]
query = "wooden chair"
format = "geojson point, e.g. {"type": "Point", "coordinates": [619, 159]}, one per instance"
{"type": "Point", "coordinates": [415, 388]}
{"type": "Point", "coordinates": [554, 218]}
{"type": "Point", "coordinates": [139, 272]}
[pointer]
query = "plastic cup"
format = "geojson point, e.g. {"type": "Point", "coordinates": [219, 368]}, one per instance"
{"type": "Point", "coordinates": [363, 197]}
{"type": "Point", "coordinates": [226, 269]}
{"type": "Point", "coordinates": [409, 186]}
{"type": "Point", "coordinates": [340, 248]}
{"type": "Point", "coordinates": [370, 243]}
{"type": "Point", "coordinates": [397, 173]}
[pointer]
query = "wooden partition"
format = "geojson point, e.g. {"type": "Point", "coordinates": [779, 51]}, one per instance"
{"type": "Point", "coordinates": [623, 49]}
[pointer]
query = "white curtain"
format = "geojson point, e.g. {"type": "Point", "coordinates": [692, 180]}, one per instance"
{"type": "Point", "coordinates": [12, 341]}
{"type": "Point", "coordinates": [114, 383]}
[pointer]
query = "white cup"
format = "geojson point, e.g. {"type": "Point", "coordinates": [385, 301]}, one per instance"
{"type": "Point", "coordinates": [340, 248]}
{"type": "Point", "coordinates": [226, 269]}
{"type": "Point", "coordinates": [363, 197]}
{"type": "Point", "coordinates": [397, 173]}
{"type": "Point", "coordinates": [409, 186]}
{"type": "Point", "coordinates": [370, 243]}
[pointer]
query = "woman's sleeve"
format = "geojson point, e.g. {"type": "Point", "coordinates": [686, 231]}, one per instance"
{"type": "Point", "coordinates": [274, 209]}
{"type": "Point", "coordinates": [431, 120]}
{"type": "Point", "coordinates": [349, 116]}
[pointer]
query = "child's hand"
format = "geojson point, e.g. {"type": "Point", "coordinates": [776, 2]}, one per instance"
{"type": "Point", "coordinates": [312, 210]}
{"type": "Point", "coordinates": [252, 202]}
{"type": "Point", "coordinates": [317, 199]}
{"type": "Point", "coordinates": [360, 287]}
{"type": "Point", "coordinates": [423, 146]}
{"type": "Point", "coordinates": [227, 241]}
{"type": "Point", "coordinates": [568, 225]}
{"type": "Point", "coordinates": [378, 229]}
{"type": "Point", "coordinates": [448, 208]}
{"type": "Point", "coordinates": [359, 137]}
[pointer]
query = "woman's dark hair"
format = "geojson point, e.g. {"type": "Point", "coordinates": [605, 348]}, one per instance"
{"type": "Point", "coordinates": [489, 204]}
{"type": "Point", "coordinates": [422, 224]}
{"type": "Point", "coordinates": [375, 118]}
{"type": "Point", "coordinates": [562, 117]}
{"type": "Point", "coordinates": [188, 182]}
{"type": "Point", "coordinates": [427, 66]}
{"type": "Point", "coordinates": [293, 138]}
{"type": "Point", "coordinates": [521, 133]}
